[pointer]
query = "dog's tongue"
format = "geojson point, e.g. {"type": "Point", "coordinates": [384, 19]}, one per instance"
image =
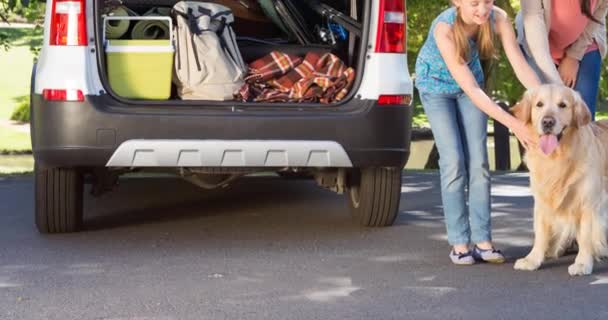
{"type": "Point", "coordinates": [548, 143]}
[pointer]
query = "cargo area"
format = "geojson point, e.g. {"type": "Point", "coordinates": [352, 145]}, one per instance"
{"type": "Point", "coordinates": [256, 53]}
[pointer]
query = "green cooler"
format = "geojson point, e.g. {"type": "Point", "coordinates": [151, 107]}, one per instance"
{"type": "Point", "coordinates": [140, 69]}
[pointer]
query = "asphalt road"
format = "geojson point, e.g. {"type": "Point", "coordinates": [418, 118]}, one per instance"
{"type": "Point", "coordinates": [267, 248]}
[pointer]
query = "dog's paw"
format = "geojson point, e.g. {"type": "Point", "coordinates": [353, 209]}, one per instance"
{"type": "Point", "coordinates": [579, 269]}
{"type": "Point", "coordinates": [526, 264]}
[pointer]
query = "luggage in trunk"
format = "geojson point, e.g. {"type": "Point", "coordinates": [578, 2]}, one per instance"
{"type": "Point", "coordinates": [304, 36]}
{"type": "Point", "coordinates": [208, 63]}
{"type": "Point", "coordinates": [140, 68]}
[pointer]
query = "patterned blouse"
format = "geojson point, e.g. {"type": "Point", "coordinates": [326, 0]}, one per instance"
{"type": "Point", "coordinates": [432, 74]}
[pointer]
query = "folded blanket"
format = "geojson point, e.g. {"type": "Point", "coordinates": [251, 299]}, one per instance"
{"type": "Point", "coordinates": [279, 77]}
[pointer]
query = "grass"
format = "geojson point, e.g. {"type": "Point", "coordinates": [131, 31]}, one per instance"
{"type": "Point", "coordinates": [14, 174]}
{"type": "Point", "coordinates": [12, 140]}
{"type": "Point", "coordinates": [16, 65]}
{"type": "Point", "coordinates": [15, 164]}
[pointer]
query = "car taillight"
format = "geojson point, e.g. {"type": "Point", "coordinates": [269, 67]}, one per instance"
{"type": "Point", "coordinates": [391, 27]}
{"type": "Point", "coordinates": [384, 100]}
{"type": "Point", "coordinates": [63, 95]}
{"type": "Point", "coordinates": [68, 23]}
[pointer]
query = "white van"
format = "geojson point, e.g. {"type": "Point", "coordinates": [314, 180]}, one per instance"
{"type": "Point", "coordinates": [81, 128]}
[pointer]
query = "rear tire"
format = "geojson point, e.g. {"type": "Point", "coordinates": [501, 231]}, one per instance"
{"type": "Point", "coordinates": [374, 196]}
{"type": "Point", "coordinates": [58, 199]}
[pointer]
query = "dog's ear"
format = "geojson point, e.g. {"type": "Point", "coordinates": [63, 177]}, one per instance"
{"type": "Point", "coordinates": [523, 109]}
{"type": "Point", "coordinates": [582, 115]}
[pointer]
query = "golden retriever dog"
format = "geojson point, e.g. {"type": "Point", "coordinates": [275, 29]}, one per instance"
{"type": "Point", "coordinates": [568, 177]}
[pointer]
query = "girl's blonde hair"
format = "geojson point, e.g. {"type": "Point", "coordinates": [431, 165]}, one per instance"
{"type": "Point", "coordinates": [485, 40]}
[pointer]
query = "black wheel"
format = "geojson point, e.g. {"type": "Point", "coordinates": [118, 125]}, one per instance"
{"type": "Point", "coordinates": [58, 199]}
{"type": "Point", "coordinates": [374, 195]}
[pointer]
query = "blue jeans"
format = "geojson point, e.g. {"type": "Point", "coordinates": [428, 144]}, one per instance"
{"type": "Point", "coordinates": [460, 132]}
{"type": "Point", "coordinates": [587, 79]}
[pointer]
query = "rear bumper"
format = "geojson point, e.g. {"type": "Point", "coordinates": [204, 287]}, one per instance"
{"type": "Point", "coordinates": [87, 134]}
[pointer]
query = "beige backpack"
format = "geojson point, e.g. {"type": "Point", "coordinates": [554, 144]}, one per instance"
{"type": "Point", "coordinates": [208, 63]}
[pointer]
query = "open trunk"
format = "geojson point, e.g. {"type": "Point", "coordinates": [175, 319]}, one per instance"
{"type": "Point", "coordinates": [257, 37]}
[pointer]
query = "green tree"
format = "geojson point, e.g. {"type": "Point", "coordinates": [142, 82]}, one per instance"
{"type": "Point", "coordinates": [508, 6]}
{"type": "Point", "coordinates": [30, 10]}
{"type": "Point", "coordinates": [420, 15]}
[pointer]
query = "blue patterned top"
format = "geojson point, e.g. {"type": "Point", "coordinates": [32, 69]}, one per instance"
{"type": "Point", "coordinates": [432, 74]}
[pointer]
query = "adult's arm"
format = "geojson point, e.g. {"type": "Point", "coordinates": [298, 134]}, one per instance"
{"type": "Point", "coordinates": [504, 28]}
{"type": "Point", "coordinates": [537, 38]}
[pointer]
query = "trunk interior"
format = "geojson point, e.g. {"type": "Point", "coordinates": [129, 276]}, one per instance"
{"type": "Point", "coordinates": [256, 37]}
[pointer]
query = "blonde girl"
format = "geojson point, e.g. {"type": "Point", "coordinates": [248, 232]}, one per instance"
{"type": "Point", "coordinates": [450, 81]}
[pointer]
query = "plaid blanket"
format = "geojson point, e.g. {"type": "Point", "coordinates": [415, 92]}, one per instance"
{"type": "Point", "coordinates": [280, 77]}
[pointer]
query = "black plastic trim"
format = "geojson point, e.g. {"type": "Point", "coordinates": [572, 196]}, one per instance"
{"type": "Point", "coordinates": [87, 133]}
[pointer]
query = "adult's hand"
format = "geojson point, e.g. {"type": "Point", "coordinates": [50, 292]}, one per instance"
{"type": "Point", "coordinates": [568, 71]}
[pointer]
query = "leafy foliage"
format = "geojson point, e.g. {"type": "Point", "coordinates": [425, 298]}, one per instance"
{"type": "Point", "coordinates": [31, 11]}
{"type": "Point", "coordinates": [22, 111]}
